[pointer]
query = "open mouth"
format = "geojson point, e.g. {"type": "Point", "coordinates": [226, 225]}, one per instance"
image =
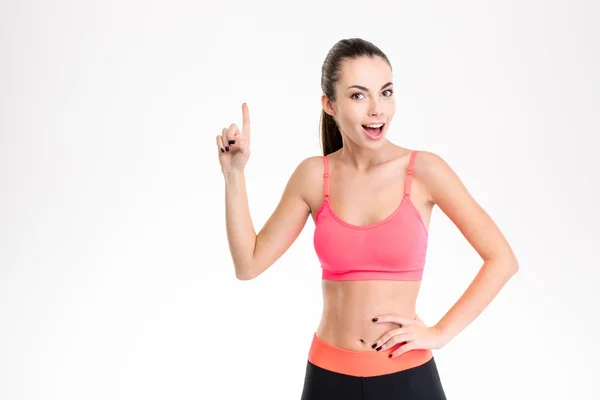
{"type": "Point", "coordinates": [373, 132]}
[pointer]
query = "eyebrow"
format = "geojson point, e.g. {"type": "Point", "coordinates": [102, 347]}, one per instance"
{"type": "Point", "coordinates": [366, 90]}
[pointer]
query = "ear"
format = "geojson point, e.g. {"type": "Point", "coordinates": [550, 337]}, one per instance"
{"type": "Point", "coordinates": [327, 105]}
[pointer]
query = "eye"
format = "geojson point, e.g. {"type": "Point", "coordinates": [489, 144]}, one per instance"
{"type": "Point", "coordinates": [359, 93]}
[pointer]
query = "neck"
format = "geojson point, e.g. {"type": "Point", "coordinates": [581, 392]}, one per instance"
{"type": "Point", "coordinates": [363, 159]}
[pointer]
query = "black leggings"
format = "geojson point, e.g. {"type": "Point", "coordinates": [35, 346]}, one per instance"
{"type": "Point", "coordinates": [421, 382]}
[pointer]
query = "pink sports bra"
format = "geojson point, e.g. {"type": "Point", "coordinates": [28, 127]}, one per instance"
{"type": "Point", "coordinates": [392, 249]}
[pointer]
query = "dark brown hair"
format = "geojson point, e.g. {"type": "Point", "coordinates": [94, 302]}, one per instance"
{"type": "Point", "coordinates": [345, 49]}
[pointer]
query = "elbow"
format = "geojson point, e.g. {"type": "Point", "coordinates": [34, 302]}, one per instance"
{"type": "Point", "coordinates": [244, 277]}
{"type": "Point", "coordinates": [514, 267]}
{"type": "Point", "coordinates": [509, 262]}
{"type": "Point", "coordinates": [506, 266]}
{"type": "Point", "coordinates": [245, 273]}
{"type": "Point", "coordinates": [515, 264]}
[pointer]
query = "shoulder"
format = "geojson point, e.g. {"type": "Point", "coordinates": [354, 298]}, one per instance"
{"type": "Point", "coordinates": [435, 174]}
{"type": "Point", "coordinates": [427, 160]}
{"type": "Point", "coordinates": [306, 176]}
{"type": "Point", "coordinates": [310, 166]}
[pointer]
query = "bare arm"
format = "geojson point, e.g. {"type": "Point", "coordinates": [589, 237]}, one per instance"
{"type": "Point", "coordinates": [447, 191]}
{"type": "Point", "coordinates": [252, 254]}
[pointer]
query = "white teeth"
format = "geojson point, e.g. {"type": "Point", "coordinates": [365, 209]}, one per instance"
{"type": "Point", "coordinates": [374, 126]}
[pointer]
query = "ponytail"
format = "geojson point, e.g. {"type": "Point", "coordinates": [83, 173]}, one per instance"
{"type": "Point", "coordinates": [331, 138]}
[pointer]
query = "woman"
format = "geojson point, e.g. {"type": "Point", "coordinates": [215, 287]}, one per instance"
{"type": "Point", "coordinates": [371, 201]}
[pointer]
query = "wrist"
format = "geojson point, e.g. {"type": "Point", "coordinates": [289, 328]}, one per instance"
{"type": "Point", "coordinates": [443, 335]}
{"type": "Point", "coordinates": [232, 174]}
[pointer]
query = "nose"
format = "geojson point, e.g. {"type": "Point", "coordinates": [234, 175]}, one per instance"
{"type": "Point", "coordinates": [375, 108]}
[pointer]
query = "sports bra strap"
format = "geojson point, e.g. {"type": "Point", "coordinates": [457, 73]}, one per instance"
{"type": "Point", "coordinates": [409, 173]}
{"type": "Point", "coordinates": [326, 177]}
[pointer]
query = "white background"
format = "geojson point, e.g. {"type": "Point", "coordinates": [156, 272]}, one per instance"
{"type": "Point", "coordinates": [115, 275]}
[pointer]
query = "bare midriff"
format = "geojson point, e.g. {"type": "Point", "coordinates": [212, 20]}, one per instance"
{"type": "Point", "coordinates": [350, 306]}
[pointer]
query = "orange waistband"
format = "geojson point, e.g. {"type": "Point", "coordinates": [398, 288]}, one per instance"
{"type": "Point", "coordinates": [363, 363]}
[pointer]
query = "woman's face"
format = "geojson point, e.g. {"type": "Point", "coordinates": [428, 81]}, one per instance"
{"type": "Point", "coordinates": [372, 102]}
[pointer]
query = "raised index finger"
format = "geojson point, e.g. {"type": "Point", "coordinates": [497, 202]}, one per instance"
{"type": "Point", "coordinates": [245, 119]}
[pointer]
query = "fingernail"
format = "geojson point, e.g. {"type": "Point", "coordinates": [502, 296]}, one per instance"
{"type": "Point", "coordinates": [379, 348]}
{"type": "Point", "coordinates": [227, 148]}
{"type": "Point", "coordinates": [374, 319]}
{"type": "Point", "coordinates": [374, 345]}
{"type": "Point", "coordinates": [232, 142]}
{"type": "Point", "coordinates": [222, 151]}
{"type": "Point", "coordinates": [390, 355]}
